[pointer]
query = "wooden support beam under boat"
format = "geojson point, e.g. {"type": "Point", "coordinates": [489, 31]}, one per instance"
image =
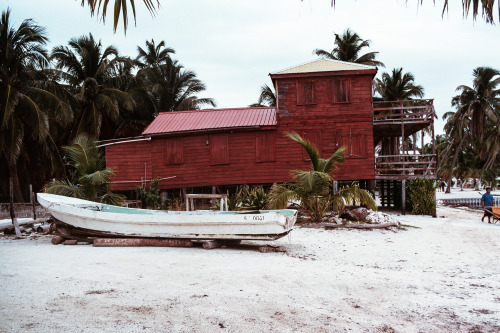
{"type": "Point", "coordinates": [167, 242]}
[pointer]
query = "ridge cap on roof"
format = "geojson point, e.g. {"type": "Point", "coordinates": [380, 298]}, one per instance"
{"type": "Point", "coordinates": [330, 60]}
{"type": "Point", "coordinates": [221, 109]}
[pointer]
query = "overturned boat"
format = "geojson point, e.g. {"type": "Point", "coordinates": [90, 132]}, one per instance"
{"type": "Point", "coordinates": [82, 218]}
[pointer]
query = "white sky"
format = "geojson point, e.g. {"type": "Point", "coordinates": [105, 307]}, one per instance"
{"type": "Point", "coordinates": [233, 45]}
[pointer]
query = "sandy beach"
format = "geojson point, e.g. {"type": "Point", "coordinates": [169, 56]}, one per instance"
{"type": "Point", "coordinates": [443, 276]}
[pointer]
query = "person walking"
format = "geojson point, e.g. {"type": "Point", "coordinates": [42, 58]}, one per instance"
{"type": "Point", "coordinates": [487, 204]}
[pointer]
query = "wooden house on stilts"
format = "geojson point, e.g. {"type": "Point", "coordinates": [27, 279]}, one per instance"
{"type": "Point", "coordinates": [330, 103]}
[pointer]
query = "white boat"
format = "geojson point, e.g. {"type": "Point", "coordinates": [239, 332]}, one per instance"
{"type": "Point", "coordinates": [82, 218]}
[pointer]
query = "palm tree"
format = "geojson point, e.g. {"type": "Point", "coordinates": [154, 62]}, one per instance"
{"type": "Point", "coordinates": [28, 101]}
{"type": "Point", "coordinates": [173, 87]}
{"type": "Point", "coordinates": [348, 47]}
{"type": "Point", "coordinates": [486, 7]}
{"type": "Point", "coordinates": [312, 187]}
{"type": "Point", "coordinates": [153, 55]}
{"type": "Point", "coordinates": [457, 132]}
{"type": "Point", "coordinates": [397, 86]}
{"type": "Point", "coordinates": [267, 97]}
{"type": "Point", "coordinates": [490, 147]}
{"type": "Point", "coordinates": [120, 5]}
{"type": "Point", "coordinates": [482, 100]}
{"type": "Point", "coordinates": [91, 73]}
{"type": "Point", "coordinates": [89, 179]}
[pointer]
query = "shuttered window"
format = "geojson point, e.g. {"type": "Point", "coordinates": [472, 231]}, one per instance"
{"type": "Point", "coordinates": [265, 145]}
{"type": "Point", "coordinates": [341, 90]}
{"type": "Point", "coordinates": [219, 149]}
{"type": "Point", "coordinates": [315, 138]}
{"type": "Point", "coordinates": [355, 145]}
{"type": "Point", "coordinates": [305, 92]}
{"type": "Point", "coordinates": [174, 151]}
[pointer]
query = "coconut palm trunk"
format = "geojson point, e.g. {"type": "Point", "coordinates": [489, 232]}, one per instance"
{"type": "Point", "coordinates": [18, 195]}
{"type": "Point", "coordinates": [453, 162]}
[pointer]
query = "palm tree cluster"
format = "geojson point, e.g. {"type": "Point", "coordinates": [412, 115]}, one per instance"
{"type": "Point", "coordinates": [49, 98]}
{"type": "Point", "coordinates": [471, 144]}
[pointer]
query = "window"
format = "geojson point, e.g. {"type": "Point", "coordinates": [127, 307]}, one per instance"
{"type": "Point", "coordinates": [265, 147]}
{"type": "Point", "coordinates": [315, 138]}
{"type": "Point", "coordinates": [174, 151]}
{"type": "Point", "coordinates": [341, 90]}
{"type": "Point", "coordinates": [219, 149]}
{"type": "Point", "coordinates": [305, 92]}
{"type": "Point", "coordinates": [355, 145]}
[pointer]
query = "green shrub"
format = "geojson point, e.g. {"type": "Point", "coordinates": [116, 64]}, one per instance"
{"type": "Point", "coordinates": [150, 197]}
{"type": "Point", "coordinates": [255, 199]}
{"type": "Point", "coordinates": [420, 196]}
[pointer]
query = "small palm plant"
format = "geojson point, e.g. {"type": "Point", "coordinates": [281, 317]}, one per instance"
{"type": "Point", "coordinates": [255, 199]}
{"type": "Point", "coordinates": [312, 188]}
{"type": "Point", "coordinates": [88, 179]}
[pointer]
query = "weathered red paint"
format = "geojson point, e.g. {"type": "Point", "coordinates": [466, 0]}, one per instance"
{"type": "Point", "coordinates": [249, 157]}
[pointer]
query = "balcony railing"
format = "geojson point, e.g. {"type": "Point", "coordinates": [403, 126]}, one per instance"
{"type": "Point", "coordinates": [405, 166]}
{"type": "Point", "coordinates": [412, 111]}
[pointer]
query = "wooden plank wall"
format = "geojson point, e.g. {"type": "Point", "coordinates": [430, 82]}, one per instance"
{"type": "Point", "coordinates": [336, 123]}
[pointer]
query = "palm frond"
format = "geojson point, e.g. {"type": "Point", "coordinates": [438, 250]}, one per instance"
{"type": "Point", "coordinates": [280, 195]}
{"type": "Point", "coordinates": [311, 150]}
{"type": "Point", "coordinates": [63, 187]}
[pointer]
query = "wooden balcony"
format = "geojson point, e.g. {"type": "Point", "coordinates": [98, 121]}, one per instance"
{"type": "Point", "coordinates": [401, 118]}
{"type": "Point", "coordinates": [397, 121]}
{"type": "Point", "coordinates": [406, 166]}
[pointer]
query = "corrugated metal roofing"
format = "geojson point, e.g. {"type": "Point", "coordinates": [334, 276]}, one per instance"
{"type": "Point", "coordinates": [182, 121]}
{"type": "Point", "coordinates": [324, 65]}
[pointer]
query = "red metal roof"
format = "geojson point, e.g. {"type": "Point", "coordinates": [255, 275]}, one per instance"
{"type": "Point", "coordinates": [182, 121]}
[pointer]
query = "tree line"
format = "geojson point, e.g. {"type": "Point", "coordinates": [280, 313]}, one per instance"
{"type": "Point", "coordinates": [470, 146]}
{"type": "Point", "coordinates": [48, 98]}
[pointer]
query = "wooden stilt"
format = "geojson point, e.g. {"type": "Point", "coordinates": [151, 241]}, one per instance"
{"type": "Point", "coordinates": [403, 197]}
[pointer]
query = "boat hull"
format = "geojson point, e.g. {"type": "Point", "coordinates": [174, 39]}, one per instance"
{"type": "Point", "coordinates": [90, 219]}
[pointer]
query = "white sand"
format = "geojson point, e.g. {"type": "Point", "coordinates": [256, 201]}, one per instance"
{"type": "Point", "coordinates": [444, 277]}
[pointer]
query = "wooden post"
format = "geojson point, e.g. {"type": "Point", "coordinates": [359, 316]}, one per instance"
{"type": "Point", "coordinates": [185, 198]}
{"type": "Point", "coordinates": [214, 191]}
{"type": "Point", "coordinates": [335, 186]}
{"type": "Point", "coordinates": [434, 214]}
{"type": "Point", "coordinates": [422, 140]}
{"type": "Point", "coordinates": [33, 200]}
{"type": "Point", "coordinates": [12, 213]}
{"type": "Point", "coordinates": [403, 197]}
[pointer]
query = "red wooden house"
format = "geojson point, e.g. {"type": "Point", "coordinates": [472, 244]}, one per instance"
{"type": "Point", "coordinates": [327, 102]}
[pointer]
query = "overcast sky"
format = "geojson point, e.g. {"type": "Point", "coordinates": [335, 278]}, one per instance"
{"type": "Point", "coordinates": [233, 45]}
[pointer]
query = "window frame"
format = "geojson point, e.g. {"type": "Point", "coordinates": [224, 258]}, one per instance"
{"type": "Point", "coordinates": [171, 159]}
{"type": "Point", "coordinates": [300, 95]}
{"type": "Point", "coordinates": [262, 141]}
{"type": "Point", "coordinates": [348, 86]}
{"type": "Point", "coordinates": [216, 139]}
